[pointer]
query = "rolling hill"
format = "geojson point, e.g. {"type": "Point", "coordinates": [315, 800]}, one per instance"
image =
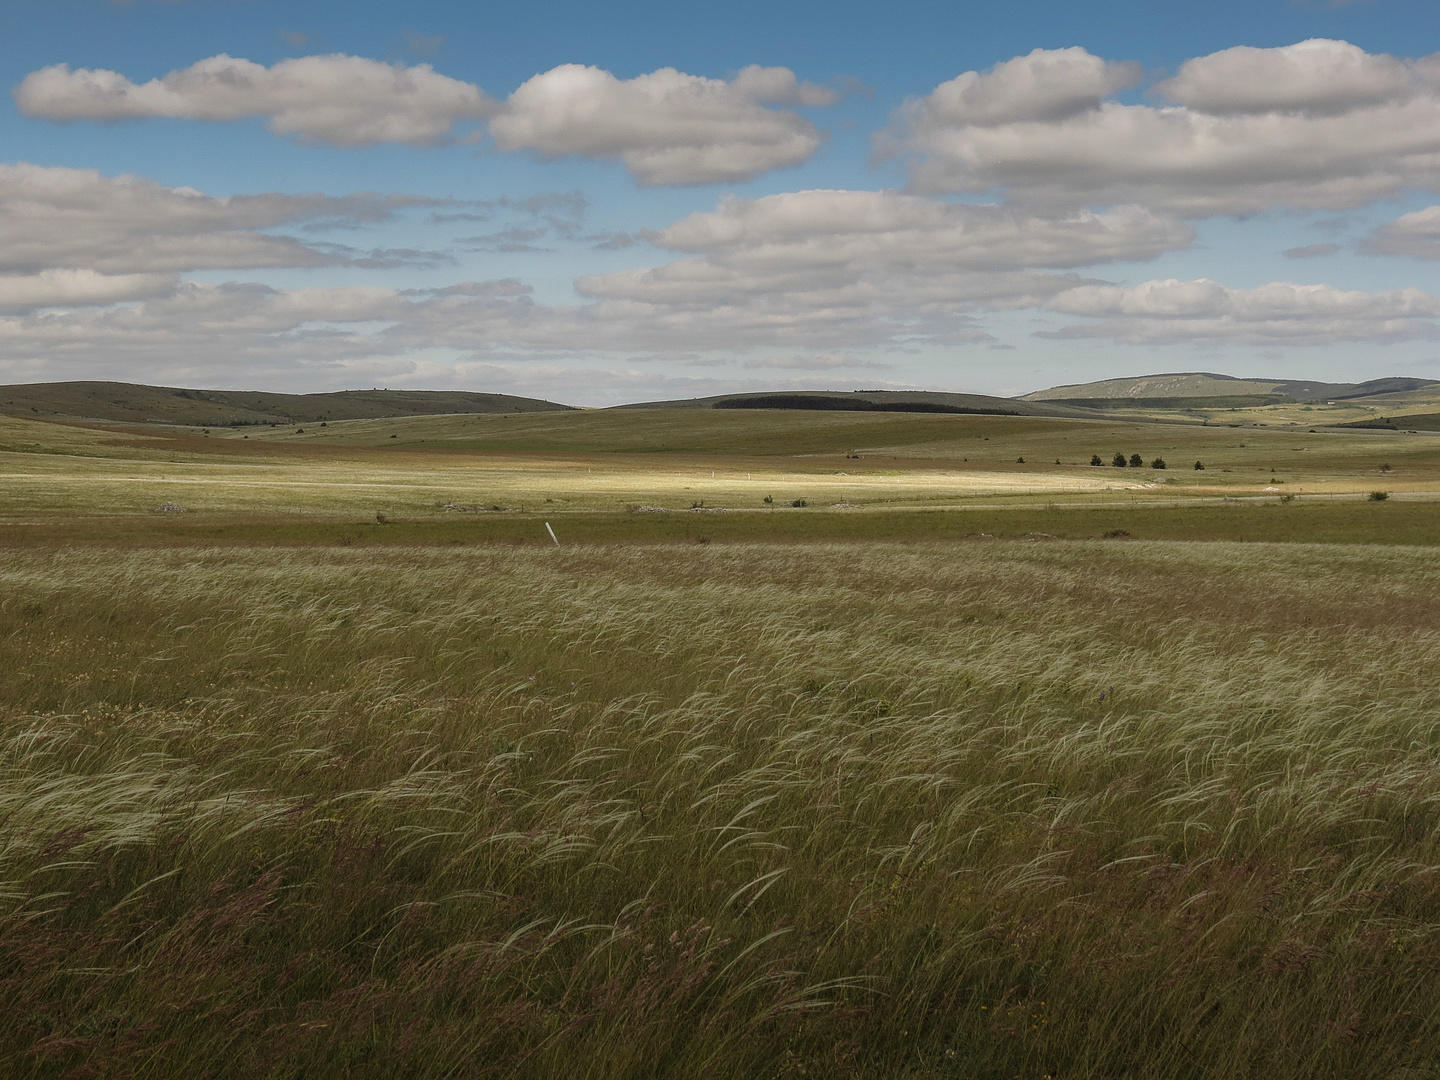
{"type": "Point", "coordinates": [1194, 386]}
{"type": "Point", "coordinates": [138, 404]}
{"type": "Point", "coordinates": [874, 401]}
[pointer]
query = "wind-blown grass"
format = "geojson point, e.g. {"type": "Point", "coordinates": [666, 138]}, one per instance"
{"type": "Point", "coordinates": [1067, 810]}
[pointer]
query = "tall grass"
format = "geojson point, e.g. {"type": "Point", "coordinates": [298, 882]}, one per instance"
{"type": "Point", "coordinates": [1064, 810]}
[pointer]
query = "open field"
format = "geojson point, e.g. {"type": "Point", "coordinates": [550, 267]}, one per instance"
{"type": "Point", "coordinates": [1342, 521]}
{"type": "Point", "coordinates": [1077, 810]}
{"type": "Point", "coordinates": [585, 470]}
{"type": "Point", "coordinates": [859, 791]}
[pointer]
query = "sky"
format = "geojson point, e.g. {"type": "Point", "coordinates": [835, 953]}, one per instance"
{"type": "Point", "coordinates": [606, 203]}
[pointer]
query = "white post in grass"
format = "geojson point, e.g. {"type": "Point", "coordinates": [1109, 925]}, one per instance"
{"type": "Point", "coordinates": [552, 533]}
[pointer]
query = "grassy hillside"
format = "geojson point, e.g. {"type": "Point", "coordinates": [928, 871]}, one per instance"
{"type": "Point", "coordinates": [764, 432]}
{"type": "Point", "coordinates": [1386, 404]}
{"type": "Point", "coordinates": [921, 811]}
{"type": "Point", "coordinates": [1188, 384]}
{"type": "Point", "coordinates": [132, 403]}
{"type": "Point", "coordinates": [1161, 406]}
{"type": "Point", "coordinates": [1402, 422]}
{"type": "Point", "coordinates": [1197, 386]}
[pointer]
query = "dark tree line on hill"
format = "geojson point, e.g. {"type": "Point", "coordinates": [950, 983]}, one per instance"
{"type": "Point", "coordinates": [1134, 461]}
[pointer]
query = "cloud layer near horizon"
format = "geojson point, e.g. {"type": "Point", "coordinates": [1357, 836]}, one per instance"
{"type": "Point", "coordinates": [197, 330]}
{"type": "Point", "coordinates": [820, 272]}
{"type": "Point", "coordinates": [1081, 178]}
{"type": "Point", "coordinates": [1280, 313]}
{"type": "Point", "coordinates": [75, 237]}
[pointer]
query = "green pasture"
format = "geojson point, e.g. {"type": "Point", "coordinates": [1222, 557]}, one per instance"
{"type": "Point", "coordinates": [496, 478]}
{"type": "Point", "coordinates": [1353, 520]}
{"type": "Point", "coordinates": [988, 442]}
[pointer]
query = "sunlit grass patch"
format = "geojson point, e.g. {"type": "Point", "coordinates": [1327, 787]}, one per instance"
{"type": "Point", "coordinates": [603, 462]}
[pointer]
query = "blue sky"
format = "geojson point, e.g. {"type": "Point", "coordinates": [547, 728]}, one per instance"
{"type": "Point", "coordinates": [982, 197]}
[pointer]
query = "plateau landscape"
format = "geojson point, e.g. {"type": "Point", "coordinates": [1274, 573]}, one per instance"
{"type": "Point", "coordinates": [646, 543]}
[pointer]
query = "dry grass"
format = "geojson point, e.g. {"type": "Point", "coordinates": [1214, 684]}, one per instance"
{"type": "Point", "coordinates": [589, 462]}
{"type": "Point", "coordinates": [415, 482]}
{"type": "Point", "coordinates": [1064, 810]}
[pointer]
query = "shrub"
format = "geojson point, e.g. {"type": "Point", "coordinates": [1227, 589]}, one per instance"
{"type": "Point", "coordinates": [799, 502]}
{"type": "Point", "coordinates": [1199, 466]}
{"type": "Point", "coordinates": [1158, 463]}
{"type": "Point", "coordinates": [1019, 461]}
{"type": "Point", "coordinates": [1379, 496]}
{"type": "Point", "coordinates": [1118, 461]}
{"type": "Point", "coordinates": [1095, 460]}
{"type": "Point", "coordinates": [1136, 461]}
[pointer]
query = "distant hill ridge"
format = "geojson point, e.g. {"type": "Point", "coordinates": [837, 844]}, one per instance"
{"type": "Point", "coordinates": [873, 401]}
{"type": "Point", "coordinates": [1204, 384]}
{"type": "Point", "coordinates": [135, 403]}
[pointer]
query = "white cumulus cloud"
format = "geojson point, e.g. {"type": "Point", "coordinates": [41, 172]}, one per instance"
{"type": "Point", "coordinates": [832, 269]}
{"type": "Point", "coordinates": [667, 127]}
{"type": "Point", "coordinates": [1048, 84]}
{"type": "Point", "coordinates": [799, 280]}
{"type": "Point", "coordinates": [1416, 235]}
{"type": "Point", "coordinates": [1318, 76]}
{"type": "Point", "coordinates": [78, 288]}
{"type": "Point", "coordinates": [61, 218]}
{"type": "Point", "coordinates": [1316, 125]}
{"type": "Point", "coordinates": [196, 330]}
{"type": "Point", "coordinates": [814, 273]}
{"type": "Point", "coordinates": [337, 99]}
{"type": "Point", "coordinates": [779, 86]}
{"type": "Point", "coordinates": [1280, 313]}
{"type": "Point", "coordinates": [873, 228]}
{"type": "Point", "coordinates": [824, 270]}
{"type": "Point", "coordinates": [220, 329]}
